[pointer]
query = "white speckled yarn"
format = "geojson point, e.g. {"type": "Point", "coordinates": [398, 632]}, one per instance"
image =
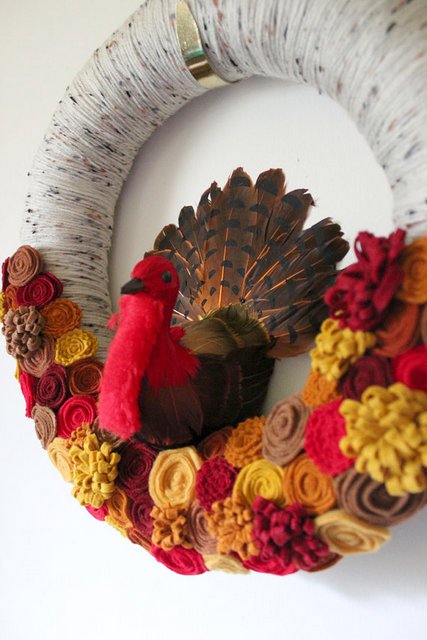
{"type": "Point", "coordinates": [370, 55]}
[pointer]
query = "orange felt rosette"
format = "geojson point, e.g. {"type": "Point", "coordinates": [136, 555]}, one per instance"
{"type": "Point", "coordinates": [303, 482]}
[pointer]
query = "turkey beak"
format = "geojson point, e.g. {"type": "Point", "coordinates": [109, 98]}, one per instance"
{"type": "Point", "coordinates": [133, 286]}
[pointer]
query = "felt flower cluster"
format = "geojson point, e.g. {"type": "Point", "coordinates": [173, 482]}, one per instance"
{"type": "Point", "coordinates": [323, 475]}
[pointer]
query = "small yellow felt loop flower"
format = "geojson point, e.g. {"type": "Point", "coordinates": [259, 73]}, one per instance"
{"type": "Point", "coordinates": [345, 534]}
{"type": "Point", "coordinates": [173, 477]}
{"type": "Point", "coordinates": [95, 470]}
{"type": "Point", "coordinates": [336, 349]}
{"type": "Point", "coordinates": [227, 564]}
{"type": "Point", "coordinates": [75, 345]}
{"type": "Point", "coordinates": [170, 527]}
{"type": "Point", "coordinates": [387, 434]}
{"type": "Point", "coordinates": [60, 457]}
{"type": "Point", "coordinates": [260, 478]}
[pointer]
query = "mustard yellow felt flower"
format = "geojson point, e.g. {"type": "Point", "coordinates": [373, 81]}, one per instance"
{"type": "Point", "coordinates": [95, 470]}
{"type": "Point", "coordinates": [75, 345]}
{"type": "Point", "coordinates": [260, 478]}
{"type": "Point", "coordinates": [387, 434]}
{"type": "Point", "coordinates": [336, 349]}
{"type": "Point", "coordinates": [173, 477]}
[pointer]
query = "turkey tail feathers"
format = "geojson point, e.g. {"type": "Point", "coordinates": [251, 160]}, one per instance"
{"type": "Point", "coordinates": [246, 245]}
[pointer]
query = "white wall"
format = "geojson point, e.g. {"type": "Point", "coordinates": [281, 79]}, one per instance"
{"type": "Point", "coordinates": [63, 574]}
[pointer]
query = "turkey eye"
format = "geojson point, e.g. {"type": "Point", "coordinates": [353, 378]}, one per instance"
{"type": "Point", "coordinates": [166, 276]}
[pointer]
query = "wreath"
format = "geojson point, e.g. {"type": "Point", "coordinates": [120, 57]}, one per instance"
{"type": "Point", "coordinates": [164, 438]}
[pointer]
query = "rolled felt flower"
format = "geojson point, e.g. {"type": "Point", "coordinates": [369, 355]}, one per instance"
{"type": "Point", "coordinates": [271, 564]}
{"type": "Point", "coordinates": [260, 478]}
{"type": "Point", "coordinates": [38, 362]}
{"type": "Point", "coordinates": [38, 292]}
{"type": "Point", "coordinates": [198, 534]}
{"type": "Point", "coordinates": [283, 433]}
{"type": "Point", "coordinates": [24, 265]}
{"type": "Point", "coordinates": [136, 537]}
{"type": "Point", "coordinates": [369, 501]}
{"type": "Point", "coordinates": [399, 331]}
{"type": "Point", "coordinates": [75, 345]}
{"type": "Point", "coordinates": [134, 469]}
{"type": "Point", "coordinates": [140, 514]}
{"type": "Point", "coordinates": [365, 372]}
{"type": "Point", "coordinates": [85, 377]}
{"type": "Point", "coordinates": [318, 390]}
{"type": "Point", "coordinates": [3, 306]}
{"type": "Point", "coordinates": [28, 383]}
{"type": "Point", "coordinates": [245, 442]}
{"type": "Point", "coordinates": [61, 315]}
{"type": "Point", "coordinates": [187, 562]}
{"type": "Point", "coordinates": [225, 563]}
{"type": "Point", "coordinates": [325, 429]}
{"type": "Point", "coordinates": [215, 481]}
{"type": "Point", "coordinates": [5, 275]}
{"type": "Point", "coordinates": [119, 508]}
{"type": "Point", "coordinates": [10, 297]}
{"type": "Point", "coordinates": [173, 477]}
{"type": "Point", "coordinates": [411, 368]}
{"type": "Point", "coordinates": [59, 456]}
{"type": "Point", "coordinates": [304, 483]}
{"type": "Point", "coordinates": [414, 264]}
{"type": "Point", "coordinates": [51, 389]}
{"type": "Point", "coordinates": [214, 444]}
{"type": "Point", "coordinates": [346, 535]}
{"type": "Point", "coordinates": [45, 424]}
{"type": "Point", "coordinates": [423, 325]}
{"type": "Point", "coordinates": [74, 412]}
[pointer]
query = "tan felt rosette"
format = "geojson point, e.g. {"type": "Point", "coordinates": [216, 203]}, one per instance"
{"type": "Point", "coordinates": [227, 564]}
{"type": "Point", "coordinates": [345, 534]}
{"type": "Point", "coordinates": [45, 424]}
{"type": "Point", "coordinates": [283, 434]}
{"type": "Point", "coordinates": [24, 265]}
{"type": "Point", "coordinates": [198, 533]}
{"type": "Point", "coordinates": [173, 477]}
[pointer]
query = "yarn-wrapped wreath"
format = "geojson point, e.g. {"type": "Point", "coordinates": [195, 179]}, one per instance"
{"type": "Point", "coordinates": [327, 471]}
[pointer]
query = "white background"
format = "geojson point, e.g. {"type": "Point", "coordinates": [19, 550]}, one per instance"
{"type": "Point", "coordinates": [65, 575]}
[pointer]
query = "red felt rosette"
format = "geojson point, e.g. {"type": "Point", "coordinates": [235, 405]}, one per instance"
{"type": "Point", "coordinates": [411, 368]}
{"type": "Point", "coordinates": [363, 291]}
{"type": "Point", "coordinates": [136, 460]}
{"type": "Point", "coordinates": [73, 413]}
{"type": "Point", "coordinates": [51, 389]}
{"type": "Point", "coordinates": [40, 290]}
{"type": "Point", "coordinates": [215, 480]}
{"type": "Point", "coordinates": [270, 565]}
{"type": "Point", "coordinates": [4, 275]}
{"type": "Point", "coordinates": [28, 382]}
{"type": "Point", "coordinates": [187, 562]}
{"type": "Point", "coordinates": [325, 428]}
{"type": "Point", "coordinates": [366, 372]}
{"type": "Point", "coordinates": [98, 514]}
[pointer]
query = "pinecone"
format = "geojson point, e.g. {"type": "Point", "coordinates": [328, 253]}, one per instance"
{"type": "Point", "coordinates": [22, 330]}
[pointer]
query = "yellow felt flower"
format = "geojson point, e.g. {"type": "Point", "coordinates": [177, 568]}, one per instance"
{"type": "Point", "coordinates": [231, 524]}
{"type": "Point", "coordinates": [227, 564]}
{"type": "Point", "coordinates": [95, 470]}
{"type": "Point", "coordinates": [2, 306]}
{"type": "Point", "coordinates": [170, 527]}
{"type": "Point", "coordinates": [260, 478]}
{"type": "Point", "coordinates": [336, 349]}
{"type": "Point", "coordinates": [75, 345]}
{"type": "Point", "coordinates": [173, 477]}
{"type": "Point", "coordinates": [387, 434]}
{"type": "Point", "coordinates": [60, 457]}
{"type": "Point", "coordinates": [345, 534]}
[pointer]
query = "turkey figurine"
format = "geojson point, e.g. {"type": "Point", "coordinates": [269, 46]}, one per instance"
{"type": "Point", "coordinates": [234, 286]}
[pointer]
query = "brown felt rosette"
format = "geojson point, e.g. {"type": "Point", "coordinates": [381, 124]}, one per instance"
{"type": "Point", "coordinates": [369, 501]}
{"type": "Point", "coordinates": [85, 378]}
{"type": "Point", "coordinates": [424, 325]}
{"type": "Point", "coordinates": [283, 434]}
{"type": "Point", "coordinates": [214, 444]}
{"type": "Point", "coordinates": [38, 362]}
{"type": "Point", "coordinates": [400, 330]}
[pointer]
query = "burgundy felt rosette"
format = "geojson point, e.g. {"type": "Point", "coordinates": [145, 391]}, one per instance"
{"type": "Point", "coordinates": [39, 291]}
{"type": "Point", "coordinates": [134, 467]}
{"type": "Point", "coordinates": [365, 372]}
{"type": "Point", "coordinates": [73, 413]}
{"type": "Point", "coordinates": [140, 514]}
{"type": "Point", "coordinates": [51, 389]}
